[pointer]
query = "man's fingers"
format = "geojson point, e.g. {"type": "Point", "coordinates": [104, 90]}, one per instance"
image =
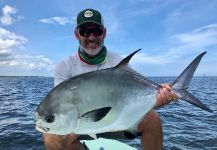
{"type": "Point", "coordinates": [165, 95]}
{"type": "Point", "coordinates": [171, 95]}
{"type": "Point", "coordinates": [161, 98]}
{"type": "Point", "coordinates": [168, 96]}
{"type": "Point", "coordinates": [167, 86]}
{"type": "Point", "coordinates": [174, 96]}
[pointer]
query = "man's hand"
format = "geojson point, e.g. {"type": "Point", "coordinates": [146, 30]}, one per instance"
{"type": "Point", "coordinates": [165, 96]}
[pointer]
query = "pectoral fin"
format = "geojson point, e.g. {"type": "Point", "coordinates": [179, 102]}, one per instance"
{"type": "Point", "coordinates": [97, 114]}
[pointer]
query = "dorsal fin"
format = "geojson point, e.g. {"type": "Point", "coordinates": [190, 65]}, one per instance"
{"type": "Point", "coordinates": [126, 60]}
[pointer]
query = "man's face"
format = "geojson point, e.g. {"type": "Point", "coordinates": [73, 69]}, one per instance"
{"type": "Point", "coordinates": [91, 37]}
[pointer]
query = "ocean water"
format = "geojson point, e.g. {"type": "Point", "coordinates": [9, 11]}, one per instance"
{"type": "Point", "coordinates": [186, 127]}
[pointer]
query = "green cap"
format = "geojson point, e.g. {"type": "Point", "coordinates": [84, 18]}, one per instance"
{"type": "Point", "coordinates": [89, 16]}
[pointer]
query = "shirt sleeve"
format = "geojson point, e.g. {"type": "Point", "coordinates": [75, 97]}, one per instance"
{"type": "Point", "coordinates": [61, 73]}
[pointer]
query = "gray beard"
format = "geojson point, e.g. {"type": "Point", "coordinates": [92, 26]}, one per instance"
{"type": "Point", "coordinates": [92, 52]}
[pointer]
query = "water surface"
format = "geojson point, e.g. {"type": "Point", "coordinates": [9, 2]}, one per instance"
{"type": "Point", "coordinates": [186, 127]}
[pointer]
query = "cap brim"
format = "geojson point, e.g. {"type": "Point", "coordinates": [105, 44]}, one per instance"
{"type": "Point", "coordinates": [89, 21]}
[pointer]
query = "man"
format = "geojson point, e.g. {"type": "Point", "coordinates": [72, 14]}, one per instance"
{"type": "Point", "coordinates": [93, 55]}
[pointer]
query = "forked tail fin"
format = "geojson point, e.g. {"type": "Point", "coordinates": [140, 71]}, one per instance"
{"type": "Point", "coordinates": [181, 83]}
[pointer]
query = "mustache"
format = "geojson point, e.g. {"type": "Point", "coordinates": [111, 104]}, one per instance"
{"type": "Point", "coordinates": [97, 41]}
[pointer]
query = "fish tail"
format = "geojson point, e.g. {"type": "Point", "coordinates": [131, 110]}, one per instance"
{"type": "Point", "coordinates": [180, 85]}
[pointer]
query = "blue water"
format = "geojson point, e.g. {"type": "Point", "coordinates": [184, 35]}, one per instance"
{"type": "Point", "coordinates": [185, 127]}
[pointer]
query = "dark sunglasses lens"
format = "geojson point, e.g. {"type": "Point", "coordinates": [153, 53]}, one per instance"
{"type": "Point", "coordinates": [87, 32]}
{"type": "Point", "coordinates": [99, 32]}
{"type": "Point", "coordinates": [84, 32]}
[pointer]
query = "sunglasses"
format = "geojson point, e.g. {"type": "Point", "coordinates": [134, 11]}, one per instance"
{"type": "Point", "coordinates": [86, 32]}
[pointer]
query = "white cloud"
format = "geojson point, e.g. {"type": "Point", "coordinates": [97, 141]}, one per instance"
{"type": "Point", "coordinates": [9, 39]}
{"type": "Point", "coordinates": [8, 17]}
{"type": "Point", "coordinates": [59, 20]}
{"type": "Point", "coordinates": [29, 62]}
{"type": "Point", "coordinates": [10, 59]}
{"type": "Point", "coordinates": [8, 10]}
{"type": "Point", "coordinates": [5, 55]}
{"type": "Point", "coordinates": [198, 40]}
{"type": "Point", "coordinates": [201, 37]}
{"type": "Point", "coordinates": [180, 46]}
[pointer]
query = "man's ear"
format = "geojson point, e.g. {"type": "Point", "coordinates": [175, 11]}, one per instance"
{"type": "Point", "coordinates": [76, 34]}
{"type": "Point", "coordinates": [104, 33]}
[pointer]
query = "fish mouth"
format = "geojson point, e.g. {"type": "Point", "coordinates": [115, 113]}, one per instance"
{"type": "Point", "coordinates": [45, 129]}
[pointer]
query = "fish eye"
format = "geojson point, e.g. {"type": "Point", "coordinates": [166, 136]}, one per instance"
{"type": "Point", "coordinates": [50, 118]}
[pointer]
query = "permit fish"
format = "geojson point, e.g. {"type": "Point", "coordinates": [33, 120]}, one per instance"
{"type": "Point", "coordinates": [108, 100]}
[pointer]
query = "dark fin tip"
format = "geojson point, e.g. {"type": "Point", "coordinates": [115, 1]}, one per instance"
{"type": "Point", "coordinates": [97, 114]}
{"type": "Point", "coordinates": [126, 60]}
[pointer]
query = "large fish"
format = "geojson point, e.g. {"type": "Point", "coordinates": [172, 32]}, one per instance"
{"type": "Point", "coordinates": [108, 100]}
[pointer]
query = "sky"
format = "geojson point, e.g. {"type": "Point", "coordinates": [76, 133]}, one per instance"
{"type": "Point", "coordinates": [37, 34]}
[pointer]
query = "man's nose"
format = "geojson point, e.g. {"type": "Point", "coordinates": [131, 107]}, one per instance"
{"type": "Point", "coordinates": [91, 36]}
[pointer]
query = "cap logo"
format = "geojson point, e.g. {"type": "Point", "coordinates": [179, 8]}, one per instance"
{"type": "Point", "coordinates": [88, 14]}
